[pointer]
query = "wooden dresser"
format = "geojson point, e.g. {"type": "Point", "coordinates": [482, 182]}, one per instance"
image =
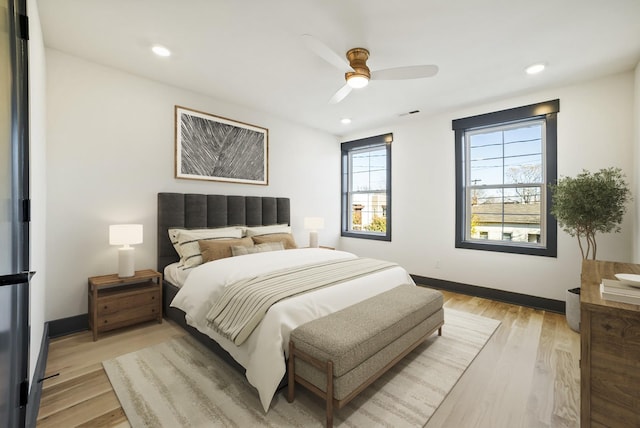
{"type": "Point", "coordinates": [610, 351]}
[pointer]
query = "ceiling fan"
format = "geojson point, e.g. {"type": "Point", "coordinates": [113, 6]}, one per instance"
{"type": "Point", "coordinates": [357, 73]}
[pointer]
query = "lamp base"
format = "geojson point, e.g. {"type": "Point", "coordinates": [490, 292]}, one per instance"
{"type": "Point", "coordinates": [313, 239]}
{"type": "Point", "coordinates": [126, 262]}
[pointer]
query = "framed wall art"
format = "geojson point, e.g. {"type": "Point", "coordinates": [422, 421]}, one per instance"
{"type": "Point", "coordinates": [215, 148]}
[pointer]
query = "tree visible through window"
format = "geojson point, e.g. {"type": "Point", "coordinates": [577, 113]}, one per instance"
{"type": "Point", "coordinates": [366, 188]}
{"type": "Point", "coordinates": [504, 162]}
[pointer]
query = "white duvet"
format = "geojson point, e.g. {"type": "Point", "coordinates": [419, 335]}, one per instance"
{"type": "Point", "coordinates": [263, 353]}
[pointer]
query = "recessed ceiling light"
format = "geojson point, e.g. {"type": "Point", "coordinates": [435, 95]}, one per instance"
{"type": "Point", "coordinates": [535, 68]}
{"type": "Point", "coordinates": [345, 121]}
{"type": "Point", "coordinates": [161, 51]}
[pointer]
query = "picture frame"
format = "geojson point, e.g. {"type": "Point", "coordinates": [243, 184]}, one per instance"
{"type": "Point", "coordinates": [210, 147]}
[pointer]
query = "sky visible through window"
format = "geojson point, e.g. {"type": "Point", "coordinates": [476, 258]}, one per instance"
{"type": "Point", "coordinates": [369, 170]}
{"type": "Point", "coordinates": [500, 156]}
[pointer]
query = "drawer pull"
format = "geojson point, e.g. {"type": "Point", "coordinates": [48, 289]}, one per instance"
{"type": "Point", "coordinates": [106, 307]}
{"type": "Point", "coordinates": [106, 321]}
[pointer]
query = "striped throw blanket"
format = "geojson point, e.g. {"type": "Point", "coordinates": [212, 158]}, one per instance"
{"type": "Point", "coordinates": [244, 303]}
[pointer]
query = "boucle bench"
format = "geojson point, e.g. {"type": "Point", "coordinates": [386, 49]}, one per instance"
{"type": "Point", "coordinates": [339, 355]}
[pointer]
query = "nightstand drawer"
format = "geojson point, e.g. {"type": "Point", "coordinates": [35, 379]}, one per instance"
{"type": "Point", "coordinates": [125, 317]}
{"type": "Point", "coordinates": [120, 302]}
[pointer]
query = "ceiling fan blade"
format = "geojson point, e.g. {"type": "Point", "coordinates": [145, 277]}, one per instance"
{"type": "Point", "coordinates": [340, 94]}
{"type": "Point", "coordinates": [403, 73]}
{"type": "Point", "coordinates": [325, 52]}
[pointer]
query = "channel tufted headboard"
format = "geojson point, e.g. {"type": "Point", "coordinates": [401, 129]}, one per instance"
{"type": "Point", "coordinates": [200, 211]}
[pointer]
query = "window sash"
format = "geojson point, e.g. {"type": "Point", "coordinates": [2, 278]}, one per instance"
{"type": "Point", "coordinates": [472, 189]}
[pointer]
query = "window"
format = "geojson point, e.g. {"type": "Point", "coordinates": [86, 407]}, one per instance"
{"type": "Point", "coordinates": [504, 163]}
{"type": "Point", "coordinates": [366, 188]}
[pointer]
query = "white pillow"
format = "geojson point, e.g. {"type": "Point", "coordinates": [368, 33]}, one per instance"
{"type": "Point", "coordinates": [267, 230]}
{"type": "Point", "coordinates": [185, 241]}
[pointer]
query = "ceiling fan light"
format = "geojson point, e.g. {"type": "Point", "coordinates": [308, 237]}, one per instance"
{"type": "Point", "coordinates": [357, 81]}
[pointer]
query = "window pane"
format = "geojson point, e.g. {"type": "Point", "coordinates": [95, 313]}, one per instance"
{"type": "Point", "coordinates": [369, 212]}
{"type": "Point", "coordinates": [485, 158]}
{"type": "Point", "coordinates": [502, 216]}
{"type": "Point", "coordinates": [369, 172]}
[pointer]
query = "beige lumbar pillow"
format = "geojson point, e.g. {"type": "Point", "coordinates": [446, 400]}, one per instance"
{"type": "Point", "coordinates": [221, 248]}
{"type": "Point", "coordinates": [240, 250]}
{"type": "Point", "coordinates": [286, 239]}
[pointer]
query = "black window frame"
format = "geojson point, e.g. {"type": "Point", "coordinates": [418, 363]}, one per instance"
{"type": "Point", "coordinates": [346, 147]}
{"type": "Point", "coordinates": [546, 111]}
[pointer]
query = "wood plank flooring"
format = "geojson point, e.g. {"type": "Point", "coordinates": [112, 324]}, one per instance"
{"type": "Point", "coordinates": [526, 376]}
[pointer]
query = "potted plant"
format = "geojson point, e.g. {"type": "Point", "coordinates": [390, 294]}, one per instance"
{"type": "Point", "coordinates": [585, 205]}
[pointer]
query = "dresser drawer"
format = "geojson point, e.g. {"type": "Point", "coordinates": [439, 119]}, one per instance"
{"type": "Point", "coordinates": [127, 317]}
{"type": "Point", "coordinates": [119, 302]}
{"type": "Point", "coordinates": [618, 335]}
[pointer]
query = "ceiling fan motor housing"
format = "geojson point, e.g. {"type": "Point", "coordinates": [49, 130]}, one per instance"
{"type": "Point", "coordinates": [358, 61]}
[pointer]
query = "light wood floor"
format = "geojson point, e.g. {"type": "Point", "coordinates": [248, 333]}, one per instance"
{"type": "Point", "coordinates": [526, 376]}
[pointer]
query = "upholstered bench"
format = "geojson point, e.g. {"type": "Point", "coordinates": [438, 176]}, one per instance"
{"type": "Point", "coordinates": [339, 355]}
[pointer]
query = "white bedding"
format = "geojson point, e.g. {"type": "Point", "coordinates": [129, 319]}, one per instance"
{"type": "Point", "coordinates": [176, 275]}
{"type": "Point", "coordinates": [263, 353]}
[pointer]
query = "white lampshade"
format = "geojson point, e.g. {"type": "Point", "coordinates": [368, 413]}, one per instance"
{"type": "Point", "coordinates": [125, 234]}
{"type": "Point", "coordinates": [313, 224]}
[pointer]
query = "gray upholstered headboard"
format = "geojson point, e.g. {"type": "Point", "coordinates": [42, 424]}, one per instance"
{"type": "Point", "coordinates": [200, 211]}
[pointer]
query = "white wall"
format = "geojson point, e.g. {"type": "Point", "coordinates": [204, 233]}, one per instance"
{"type": "Point", "coordinates": [595, 130]}
{"type": "Point", "coordinates": [38, 190]}
{"type": "Point", "coordinates": [110, 150]}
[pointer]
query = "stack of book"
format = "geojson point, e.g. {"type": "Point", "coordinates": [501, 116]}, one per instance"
{"type": "Point", "coordinates": [618, 291]}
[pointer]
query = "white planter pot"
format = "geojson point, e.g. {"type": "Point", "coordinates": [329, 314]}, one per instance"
{"type": "Point", "coordinates": [573, 309]}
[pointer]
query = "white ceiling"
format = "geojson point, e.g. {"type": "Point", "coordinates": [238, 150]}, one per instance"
{"type": "Point", "coordinates": [251, 53]}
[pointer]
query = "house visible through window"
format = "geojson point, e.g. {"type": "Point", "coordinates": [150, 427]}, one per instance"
{"type": "Point", "coordinates": [366, 188]}
{"type": "Point", "coordinates": [504, 163]}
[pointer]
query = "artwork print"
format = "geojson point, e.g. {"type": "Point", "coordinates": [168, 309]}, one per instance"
{"type": "Point", "coordinates": [210, 147]}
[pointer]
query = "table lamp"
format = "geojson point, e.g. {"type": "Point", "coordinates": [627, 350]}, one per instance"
{"type": "Point", "coordinates": [313, 224]}
{"type": "Point", "coordinates": [125, 235]}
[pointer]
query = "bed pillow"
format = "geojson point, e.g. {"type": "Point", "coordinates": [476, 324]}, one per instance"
{"type": "Point", "coordinates": [265, 230]}
{"type": "Point", "coordinates": [185, 241]}
{"type": "Point", "coordinates": [221, 248]}
{"type": "Point", "coordinates": [286, 239]}
{"type": "Point", "coordinates": [240, 250]}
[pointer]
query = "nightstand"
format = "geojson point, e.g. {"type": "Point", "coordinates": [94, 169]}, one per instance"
{"type": "Point", "coordinates": [119, 302]}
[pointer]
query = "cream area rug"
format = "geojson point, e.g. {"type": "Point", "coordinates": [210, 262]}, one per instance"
{"type": "Point", "coordinates": [180, 383]}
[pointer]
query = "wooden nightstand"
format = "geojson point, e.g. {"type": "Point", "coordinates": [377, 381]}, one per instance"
{"type": "Point", "coordinates": [119, 302]}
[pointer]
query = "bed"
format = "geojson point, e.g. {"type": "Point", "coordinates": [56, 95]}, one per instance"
{"type": "Point", "coordinates": [262, 356]}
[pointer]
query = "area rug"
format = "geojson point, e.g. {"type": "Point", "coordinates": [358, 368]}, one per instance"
{"type": "Point", "coordinates": [180, 383]}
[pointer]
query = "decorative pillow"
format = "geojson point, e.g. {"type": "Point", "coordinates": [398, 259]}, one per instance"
{"type": "Point", "coordinates": [240, 250]}
{"type": "Point", "coordinates": [264, 230]}
{"type": "Point", "coordinates": [286, 239]}
{"type": "Point", "coordinates": [221, 248]}
{"type": "Point", "coordinates": [185, 241]}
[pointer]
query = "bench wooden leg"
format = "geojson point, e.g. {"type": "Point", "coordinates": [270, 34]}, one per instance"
{"type": "Point", "coordinates": [440, 331]}
{"type": "Point", "coordinates": [292, 376]}
{"type": "Point", "coordinates": [329, 394]}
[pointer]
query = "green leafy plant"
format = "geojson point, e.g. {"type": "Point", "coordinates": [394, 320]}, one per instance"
{"type": "Point", "coordinates": [590, 203]}
{"type": "Point", "coordinates": [378, 224]}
